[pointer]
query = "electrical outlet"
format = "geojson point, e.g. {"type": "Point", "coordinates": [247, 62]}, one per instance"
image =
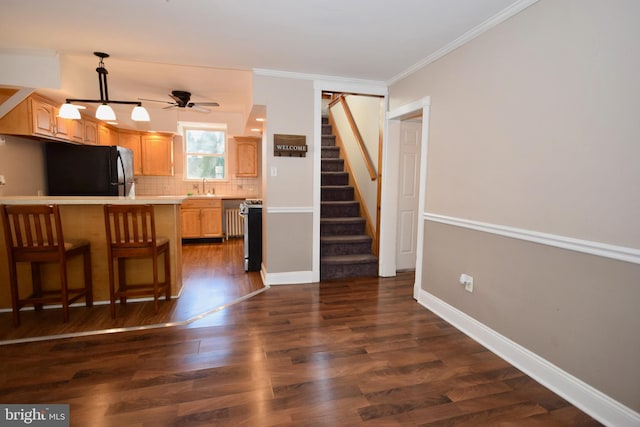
{"type": "Point", "coordinates": [467, 281]}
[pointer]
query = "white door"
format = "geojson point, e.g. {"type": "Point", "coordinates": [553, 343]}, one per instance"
{"type": "Point", "coordinates": [408, 186]}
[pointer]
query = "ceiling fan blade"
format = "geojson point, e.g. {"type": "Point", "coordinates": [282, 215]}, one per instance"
{"type": "Point", "coordinates": [177, 99]}
{"type": "Point", "coordinates": [197, 107]}
{"type": "Point", "coordinates": [207, 104]}
{"type": "Point", "coordinates": [170, 107]}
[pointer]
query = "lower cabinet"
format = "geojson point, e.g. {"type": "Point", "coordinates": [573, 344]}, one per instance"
{"type": "Point", "coordinates": [201, 218]}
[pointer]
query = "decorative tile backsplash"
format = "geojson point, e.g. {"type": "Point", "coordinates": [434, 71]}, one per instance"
{"type": "Point", "coordinates": [174, 185]}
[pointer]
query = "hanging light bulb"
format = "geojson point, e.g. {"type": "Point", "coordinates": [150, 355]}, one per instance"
{"type": "Point", "coordinates": [69, 111]}
{"type": "Point", "coordinates": [140, 114]}
{"type": "Point", "coordinates": [104, 112]}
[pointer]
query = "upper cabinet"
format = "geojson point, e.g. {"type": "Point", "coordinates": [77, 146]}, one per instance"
{"type": "Point", "coordinates": [152, 152]}
{"type": "Point", "coordinates": [43, 117]}
{"type": "Point", "coordinates": [38, 116]}
{"type": "Point", "coordinates": [132, 141]}
{"type": "Point", "coordinates": [34, 116]}
{"type": "Point", "coordinates": [246, 156]}
{"type": "Point", "coordinates": [90, 131]}
{"type": "Point", "coordinates": [107, 135]}
{"type": "Point", "coordinates": [157, 154]}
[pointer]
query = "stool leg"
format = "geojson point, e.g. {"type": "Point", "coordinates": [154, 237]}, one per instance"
{"type": "Point", "coordinates": [155, 282]}
{"type": "Point", "coordinates": [36, 283]}
{"type": "Point", "coordinates": [13, 280]}
{"type": "Point", "coordinates": [167, 275]}
{"type": "Point", "coordinates": [112, 290]}
{"type": "Point", "coordinates": [122, 281]}
{"type": "Point", "coordinates": [88, 279]}
{"type": "Point", "coordinates": [64, 294]}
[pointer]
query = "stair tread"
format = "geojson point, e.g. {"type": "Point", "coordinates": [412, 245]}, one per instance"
{"type": "Point", "coordinates": [338, 202]}
{"type": "Point", "coordinates": [346, 238]}
{"type": "Point", "coordinates": [343, 219]}
{"type": "Point", "coordinates": [351, 259]}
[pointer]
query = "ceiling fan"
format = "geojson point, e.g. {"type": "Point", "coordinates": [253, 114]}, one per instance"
{"type": "Point", "coordinates": [182, 99]}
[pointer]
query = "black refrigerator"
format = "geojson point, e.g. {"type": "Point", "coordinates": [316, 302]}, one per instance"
{"type": "Point", "coordinates": [88, 170]}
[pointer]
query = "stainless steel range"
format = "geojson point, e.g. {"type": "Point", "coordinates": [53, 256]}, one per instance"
{"type": "Point", "coordinates": [251, 210]}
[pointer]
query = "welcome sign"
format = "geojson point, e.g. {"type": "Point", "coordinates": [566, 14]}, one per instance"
{"type": "Point", "coordinates": [289, 145]}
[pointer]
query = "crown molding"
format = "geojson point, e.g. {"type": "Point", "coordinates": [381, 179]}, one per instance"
{"type": "Point", "coordinates": [307, 76]}
{"type": "Point", "coordinates": [501, 16]}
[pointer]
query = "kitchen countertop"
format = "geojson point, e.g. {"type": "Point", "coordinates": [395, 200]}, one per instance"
{"type": "Point", "coordinates": [92, 200]}
{"type": "Point", "coordinates": [219, 196]}
{"type": "Point", "coordinates": [115, 200]}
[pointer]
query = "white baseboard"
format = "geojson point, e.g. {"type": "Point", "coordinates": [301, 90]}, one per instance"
{"type": "Point", "coordinates": [595, 403]}
{"type": "Point", "coordinates": [288, 278]}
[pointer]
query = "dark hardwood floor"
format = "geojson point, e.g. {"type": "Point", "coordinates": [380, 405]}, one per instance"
{"type": "Point", "coordinates": [213, 276]}
{"type": "Point", "coordinates": [339, 353]}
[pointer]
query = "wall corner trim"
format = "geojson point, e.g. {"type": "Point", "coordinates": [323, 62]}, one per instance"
{"type": "Point", "coordinates": [592, 401]}
{"type": "Point", "coordinates": [620, 253]}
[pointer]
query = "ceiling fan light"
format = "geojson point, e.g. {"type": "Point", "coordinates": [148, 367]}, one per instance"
{"type": "Point", "coordinates": [104, 112]}
{"type": "Point", "coordinates": [140, 114]}
{"type": "Point", "coordinates": [69, 111]}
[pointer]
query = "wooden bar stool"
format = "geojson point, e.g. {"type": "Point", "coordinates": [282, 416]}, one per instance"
{"type": "Point", "coordinates": [131, 233]}
{"type": "Point", "coordinates": [33, 234]}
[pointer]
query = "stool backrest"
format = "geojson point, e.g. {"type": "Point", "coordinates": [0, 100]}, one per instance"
{"type": "Point", "coordinates": [130, 227]}
{"type": "Point", "coordinates": [32, 232]}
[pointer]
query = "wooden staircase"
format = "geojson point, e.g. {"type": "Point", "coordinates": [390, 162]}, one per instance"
{"type": "Point", "coordinates": [345, 248]}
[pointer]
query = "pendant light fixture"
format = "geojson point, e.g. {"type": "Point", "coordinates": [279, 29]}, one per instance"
{"type": "Point", "coordinates": [104, 112]}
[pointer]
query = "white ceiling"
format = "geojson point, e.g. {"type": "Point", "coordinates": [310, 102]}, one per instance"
{"type": "Point", "coordinates": [363, 39]}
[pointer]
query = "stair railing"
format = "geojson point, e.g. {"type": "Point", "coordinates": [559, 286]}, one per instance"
{"type": "Point", "coordinates": [356, 133]}
{"type": "Point", "coordinates": [373, 230]}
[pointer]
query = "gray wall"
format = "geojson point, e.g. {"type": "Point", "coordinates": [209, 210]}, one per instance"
{"type": "Point", "coordinates": [534, 125]}
{"type": "Point", "coordinates": [288, 196]}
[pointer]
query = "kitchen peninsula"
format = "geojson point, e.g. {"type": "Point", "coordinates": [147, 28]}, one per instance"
{"type": "Point", "coordinates": [83, 218]}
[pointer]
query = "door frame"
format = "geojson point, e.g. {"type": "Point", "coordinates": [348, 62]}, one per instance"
{"type": "Point", "coordinates": [391, 158]}
{"type": "Point", "coordinates": [345, 86]}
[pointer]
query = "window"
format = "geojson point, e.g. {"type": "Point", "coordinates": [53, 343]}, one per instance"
{"type": "Point", "coordinates": [205, 152]}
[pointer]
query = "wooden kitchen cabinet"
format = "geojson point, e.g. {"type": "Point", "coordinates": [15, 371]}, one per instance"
{"type": "Point", "coordinates": [246, 156]}
{"type": "Point", "coordinates": [201, 218]}
{"type": "Point", "coordinates": [90, 132]}
{"type": "Point", "coordinates": [157, 154]}
{"type": "Point", "coordinates": [76, 131]}
{"type": "Point", "coordinates": [107, 135]}
{"type": "Point", "coordinates": [63, 127]}
{"type": "Point", "coordinates": [132, 141]}
{"type": "Point", "coordinates": [34, 116]}
{"type": "Point", "coordinates": [43, 116]}
{"type": "Point", "coordinates": [152, 153]}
